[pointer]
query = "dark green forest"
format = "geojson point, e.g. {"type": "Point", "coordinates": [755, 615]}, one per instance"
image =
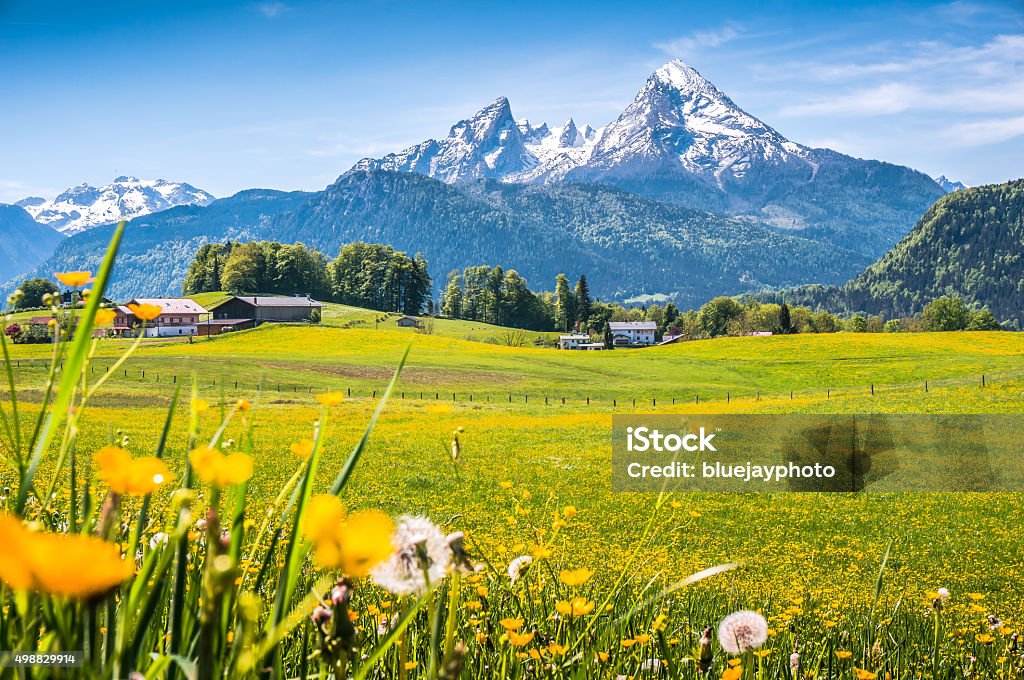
{"type": "Point", "coordinates": [363, 274]}
{"type": "Point", "coordinates": [969, 245]}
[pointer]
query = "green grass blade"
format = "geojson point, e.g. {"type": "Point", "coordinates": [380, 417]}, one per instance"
{"type": "Point", "coordinates": [75, 361]}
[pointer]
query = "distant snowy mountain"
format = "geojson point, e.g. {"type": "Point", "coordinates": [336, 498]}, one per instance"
{"type": "Point", "coordinates": [84, 206]}
{"type": "Point", "coordinates": [684, 141]}
{"type": "Point", "coordinates": [949, 185]}
{"type": "Point", "coordinates": [492, 145]}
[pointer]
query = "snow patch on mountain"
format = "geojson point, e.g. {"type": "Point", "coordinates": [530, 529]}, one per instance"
{"type": "Point", "coordinates": [82, 207]}
{"type": "Point", "coordinates": [948, 185]}
{"type": "Point", "coordinates": [492, 144]}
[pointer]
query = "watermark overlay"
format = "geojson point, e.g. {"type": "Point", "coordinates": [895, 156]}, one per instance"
{"type": "Point", "coordinates": [41, 659]}
{"type": "Point", "coordinates": [822, 453]}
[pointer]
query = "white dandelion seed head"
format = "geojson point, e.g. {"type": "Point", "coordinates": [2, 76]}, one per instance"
{"type": "Point", "coordinates": [158, 539]}
{"type": "Point", "coordinates": [943, 593]}
{"type": "Point", "coordinates": [518, 567]}
{"type": "Point", "coordinates": [742, 632]}
{"type": "Point", "coordinates": [421, 554]}
{"type": "Point", "coordinates": [651, 665]}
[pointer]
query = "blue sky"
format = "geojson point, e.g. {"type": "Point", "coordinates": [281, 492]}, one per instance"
{"type": "Point", "coordinates": [288, 94]}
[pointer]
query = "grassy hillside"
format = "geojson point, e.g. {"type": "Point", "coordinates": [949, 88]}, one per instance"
{"type": "Point", "coordinates": [360, 358]}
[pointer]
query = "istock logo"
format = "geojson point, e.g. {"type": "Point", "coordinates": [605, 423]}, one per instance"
{"type": "Point", "coordinates": [643, 438]}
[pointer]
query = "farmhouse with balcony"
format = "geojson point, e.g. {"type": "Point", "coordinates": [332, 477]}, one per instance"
{"type": "Point", "coordinates": [179, 317]}
{"type": "Point", "coordinates": [632, 333]}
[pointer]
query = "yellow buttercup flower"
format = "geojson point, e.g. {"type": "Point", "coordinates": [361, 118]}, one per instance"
{"type": "Point", "coordinates": [984, 638]}
{"type": "Point", "coordinates": [219, 469]}
{"type": "Point", "coordinates": [127, 475]}
{"type": "Point", "coordinates": [843, 654]}
{"type": "Point", "coordinates": [519, 639]}
{"type": "Point", "coordinates": [243, 404]}
{"type": "Point", "coordinates": [53, 563]}
{"type": "Point", "coordinates": [104, 316]}
{"type": "Point", "coordinates": [355, 545]}
{"type": "Point", "coordinates": [734, 673]}
{"type": "Point", "coordinates": [580, 606]}
{"type": "Point", "coordinates": [575, 577]}
{"type": "Point", "coordinates": [331, 398]}
{"type": "Point", "coordinates": [74, 279]}
{"type": "Point", "coordinates": [511, 624]}
{"type": "Point", "coordinates": [365, 542]}
{"type": "Point", "coordinates": [200, 405]}
{"type": "Point", "coordinates": [302, 448]}
{"type": "Point", "coordinates": [862, 674]}
{"type": "Point", "coordinates": [569, 511]}
{"type": "Point", "coordinates": [145, 312]}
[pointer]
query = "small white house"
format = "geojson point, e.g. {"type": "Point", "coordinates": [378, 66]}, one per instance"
{"type": "Point", "coordinates": [592, 346]}
{"type": "Point", "coordinates": [632, 333]}
{"type": "Point", "coordinates": [573, 340]}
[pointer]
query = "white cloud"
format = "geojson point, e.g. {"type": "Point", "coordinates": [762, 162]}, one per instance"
{"type": "Point", "coordinates": [12, 190]}
{"type": "Point", "coordinates": [926, 76]}
{"type": "Point", "coordinates": [272, 9]}
{"type": "Point", "coordinates": [689, 45]}
{"type": "Point", "coordinates": [980, 133]}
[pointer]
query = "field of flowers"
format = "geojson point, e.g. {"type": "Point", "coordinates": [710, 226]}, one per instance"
{"type": "Point", "coordinates": [198, 530]}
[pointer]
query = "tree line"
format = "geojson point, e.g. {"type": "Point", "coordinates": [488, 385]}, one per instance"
{"type": "Point", "coordinates": [367, 275]}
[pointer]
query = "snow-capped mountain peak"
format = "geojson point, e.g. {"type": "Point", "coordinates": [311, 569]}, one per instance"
{"type": "Point", "coordinates": [678, 119]}
{"type": "Point", "coordinates": [948, 185]}
{"type": "Point", "coordinates": [84, 206]}
{"type": "Point", "coordinates": [491, 144]}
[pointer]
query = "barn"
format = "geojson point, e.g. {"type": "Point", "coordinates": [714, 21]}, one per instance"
{"type": "Point", "coordinates": [262, 309]}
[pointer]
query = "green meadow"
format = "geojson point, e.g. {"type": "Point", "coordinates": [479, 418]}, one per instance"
{"type": "Point", "coordinates": [524, 455]}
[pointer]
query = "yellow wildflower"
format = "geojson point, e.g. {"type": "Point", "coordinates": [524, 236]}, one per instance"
{"type": "Point", "coordinates": [74, 279]}
{"type": "Point", "coordinates": [355, 545]}
{"type": "Point", "coordinates": [104, 316]}
{"type": "Point", "coordinates": [145, 312]}
{"type": "Point", "coordinates": [302, 448]}
{"type": "Point", "coordinates": [511, 624]}
{"type": "Point", "coordinates": [331, 398]}
{"type": "Point", "coordinates": [575, 577]}
{"type": "Point", "coordinates": [439, 409]}
{"type": "Point", "coordinates": [519, 639]}
{"type": "Point", "coordinates": [218, 469]}
{"type": "Point", "coordinates": [127, 475]}
{"type": "Point", "coordinates": [53, 563]}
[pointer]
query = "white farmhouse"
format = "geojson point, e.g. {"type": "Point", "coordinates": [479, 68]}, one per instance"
{"type": "Point", "coordinates": [573, 340]}
{"type": "Point", "coordinates": [632, 333]}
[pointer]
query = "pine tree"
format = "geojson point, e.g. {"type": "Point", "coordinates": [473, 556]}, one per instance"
{"type": "Point", "coordinates": [583, 302]}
